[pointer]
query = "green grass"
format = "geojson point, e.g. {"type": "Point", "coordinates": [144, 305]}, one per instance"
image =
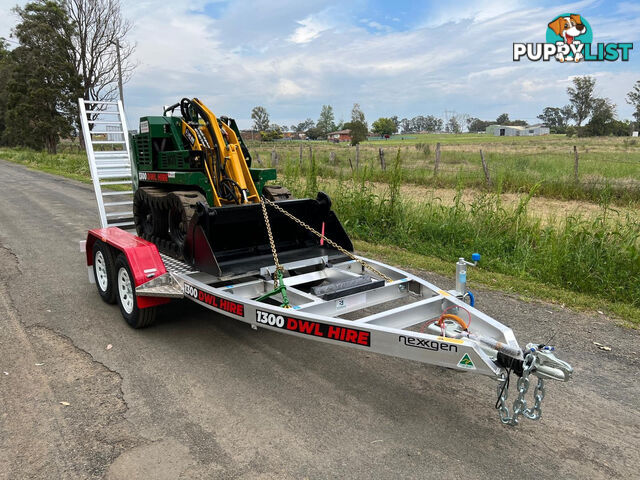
{"type": "Point", "coordinates": [70, 165]}
{"type": "Point", "coordinates": [66, 164]}
{"type": "Point", "coordinates": [607, 166]}
{"type": "Point", "coordinates": [524, 289]}
{"type": "Point", "coordinates": [598, 256]}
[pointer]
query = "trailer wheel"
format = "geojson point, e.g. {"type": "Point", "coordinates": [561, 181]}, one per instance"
{"type": "Point", "coordinates": [104, 271]}
{"type": "Point", "coordinates": [126, 295]}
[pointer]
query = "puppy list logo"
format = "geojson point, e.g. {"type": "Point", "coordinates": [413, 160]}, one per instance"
{"type": "Point", "coordinates": [570, 39]}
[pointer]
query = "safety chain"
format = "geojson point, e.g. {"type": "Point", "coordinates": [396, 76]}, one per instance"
{"type": "Point", "coordinates": [318, 234]}
{"type": "Point", "coordinates": [273, 247]}
{"type": "Point", "coordinates": [520, 403]}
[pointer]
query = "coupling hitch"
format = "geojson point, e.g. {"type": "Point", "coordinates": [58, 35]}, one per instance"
{"type": "Point", "coordinates": [539, 360]}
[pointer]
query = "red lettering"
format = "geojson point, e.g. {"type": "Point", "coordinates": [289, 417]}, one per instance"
{"type": "Point", "coordinates": [305, 327]}
{"type": "Point", "coordinates": [292, 324]}
{"type": "Point", "coordinates": [223, 305]}
{"type": "Point", "coordinates": [363, 338]}
{"type": "Point", "coordinates": [342, 334]}
{"type": "Point", "coordinates": [240, 309]}
{"type": "Point", "coordinates": [351, 336]}
{"type": "Point", "coordinates": [318, 333]}
{"type": "Point", "coordinates": [201, 295]}
{"type": "Point", "coordinates": [334, 332]}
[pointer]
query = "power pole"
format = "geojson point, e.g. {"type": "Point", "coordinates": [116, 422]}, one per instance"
{"type": "Point", "coordinates": [119, 72]}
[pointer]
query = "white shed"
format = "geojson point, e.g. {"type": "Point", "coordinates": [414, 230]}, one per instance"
{"type": "Point", "coordinates": [517, 131]}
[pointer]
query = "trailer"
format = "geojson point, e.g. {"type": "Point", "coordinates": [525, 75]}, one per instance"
{"type": "Point", "coordinates": [318, 291]}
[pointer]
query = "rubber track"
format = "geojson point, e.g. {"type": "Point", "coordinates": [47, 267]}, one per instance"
{"type": "Point", "coordinates": [162, 201]}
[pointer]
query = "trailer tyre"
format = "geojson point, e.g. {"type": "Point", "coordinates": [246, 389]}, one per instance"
{"type": "Point", "coordinates": [104, 271]}
{"type": "Point", "coordinates": [126, 296]}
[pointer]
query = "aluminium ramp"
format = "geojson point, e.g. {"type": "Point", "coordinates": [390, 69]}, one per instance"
{"type": "Point", "coordinates": [106, 139]}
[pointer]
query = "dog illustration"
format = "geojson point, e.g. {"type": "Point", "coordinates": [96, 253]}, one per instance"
{"type": "Point", "coordinates": [568, 28]}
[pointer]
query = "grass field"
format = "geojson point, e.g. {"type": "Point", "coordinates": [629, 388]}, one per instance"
{"type": "Point", "coordinates": [541, 233]}
{"type": "Point", "coordinates": [608, 167]}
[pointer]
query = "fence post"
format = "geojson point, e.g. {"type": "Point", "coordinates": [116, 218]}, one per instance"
{"type": "Point", "coordinates": [310, 154]}
{"type": "Point", "coordinates": [351, 163]}
{"type": "Point", "coordinates": [575, 164]}
{"type": "Point", "coordinates": [437, 164]}
{"type": "Point", "coordinates": [485, 167]}
{"type": "Point", "coordinates": [357, 155]}
{"type": "Point", "coordinates": [274, 158]}
{"type": "Point", "coordinates": [300, 153]}
{"type": "Point", "coordinates": [332, 158]}
{"type": "Point", "coordinates": [383, 165]}
{"type": "Point", "coordinates": [258, 159]}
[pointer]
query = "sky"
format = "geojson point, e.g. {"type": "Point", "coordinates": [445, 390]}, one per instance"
{"type": "Point", "coordinates": [393, 58]}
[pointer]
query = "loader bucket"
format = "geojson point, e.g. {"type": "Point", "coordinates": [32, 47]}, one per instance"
{"type": "Point", "coordinates": [232, 240]}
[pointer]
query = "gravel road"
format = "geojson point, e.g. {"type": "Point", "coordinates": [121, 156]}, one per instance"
{"type": "Point", "coordinates": [201, 396]}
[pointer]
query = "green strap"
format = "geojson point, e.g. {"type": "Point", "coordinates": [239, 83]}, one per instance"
{"type": "Point", "coordinates": [280, 289]}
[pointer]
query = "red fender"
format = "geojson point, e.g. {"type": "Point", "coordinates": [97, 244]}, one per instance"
{"type": "Point", "coordinates": [141, 255]}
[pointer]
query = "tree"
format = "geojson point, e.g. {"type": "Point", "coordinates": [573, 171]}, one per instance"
{"type": "Point", "coordinates": [432, 124]}
{"type": "Point", "coordinates": [5, 74]}
{"type": "Point", "coordinates": [43, 87]}
{"type": "Point", "coordinates": [405, 125]}
{"type": "Point", "coordinates": [567, 114]}
{"type": "Point", "coordinates": [357, 131]}
{"type": "Point", "coordinates": [303, 126]}
{"type": "Point", "coordinates": [396, 122]}
{"type": "Point", "coordinates": [260, 119]}
{"type": "Point", "coordinates": [357, 115]}
{"type": "Point", "coordinates": [602, 117]}
{"type": "Point", "coordinates": [503, 119]}
{"type": "Point", "coordinates": [99, 26]}
{"type": "Point", "coordinates": [357, 125]}
{"type": "Point", "coordinates": [633, 98]}
{"type": "Point", "coordinates": [552, 117]}
{"type": "Point", "coordinates": [476, 125]}
{"type": "Point", "coordinates": [581, 97]}
{"type": "Point", "coordinates": [313, 133]}
{"type": "Point", "coordinates": [453, 126]}
{"type": "Point", "coordinates": [274, 132]}
{"type": "Point", "coordinates": [384, 126]}
{"type": "Point", "coordinates": [326, 121]}
{"type": "Point", "coordinates": [555, 118]}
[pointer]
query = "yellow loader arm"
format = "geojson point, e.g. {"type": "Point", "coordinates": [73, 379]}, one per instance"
{"type": "Point", "coordinates": [225, 163]}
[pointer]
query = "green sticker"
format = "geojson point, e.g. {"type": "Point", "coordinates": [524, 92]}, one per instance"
{"type": "Point", "coordinates": [466, 362]}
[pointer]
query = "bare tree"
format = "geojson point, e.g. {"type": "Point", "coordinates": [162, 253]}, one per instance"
{"type": "Point", "coordinates": [100, 28]}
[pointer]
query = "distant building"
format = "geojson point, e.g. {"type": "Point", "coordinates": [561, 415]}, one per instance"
{"type": "Point", "coordinates": [516, 131]}
{"type": "Point", "coordinates": [294, 136]}
{"type": "Point", "coordinates": [250, 134]}
{"type": "Point", "coordinates": [339, 136]}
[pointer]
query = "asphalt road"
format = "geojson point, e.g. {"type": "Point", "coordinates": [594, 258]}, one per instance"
{"type": "Point", "coordinates": [201, 396]}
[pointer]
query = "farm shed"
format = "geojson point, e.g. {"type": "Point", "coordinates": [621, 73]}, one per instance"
{"type": "Point", "coordinates": [339, 136]}
{"type": "Point", "coordinates": [517, 131]}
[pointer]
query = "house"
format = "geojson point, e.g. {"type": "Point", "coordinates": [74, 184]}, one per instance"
{"type": "Point", "coordinates": [517, 131]}
{"type": "Point", "coordinates": [294, 136]}
{"type": "Point", "coordinates": [339, 136]}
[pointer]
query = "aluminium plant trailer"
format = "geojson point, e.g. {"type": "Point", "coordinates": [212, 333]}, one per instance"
{"type": "Point", "coordinates": [323, 292]}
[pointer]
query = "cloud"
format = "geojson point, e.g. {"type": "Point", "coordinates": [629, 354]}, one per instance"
{"type": "Point", "coordinates": [310, 28]}
{"type": "Point", "coordinates": [292, 57]}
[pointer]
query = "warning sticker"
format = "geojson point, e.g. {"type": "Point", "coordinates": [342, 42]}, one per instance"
{"type": "Point", "coordinates": [466, 362]}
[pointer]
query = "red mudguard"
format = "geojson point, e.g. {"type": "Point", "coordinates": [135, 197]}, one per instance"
{"type": "Point", "coordinates": [141, 255]}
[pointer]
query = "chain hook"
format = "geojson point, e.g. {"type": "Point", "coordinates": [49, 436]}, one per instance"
{"type": "Point", "coordinates": [519, 407]}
